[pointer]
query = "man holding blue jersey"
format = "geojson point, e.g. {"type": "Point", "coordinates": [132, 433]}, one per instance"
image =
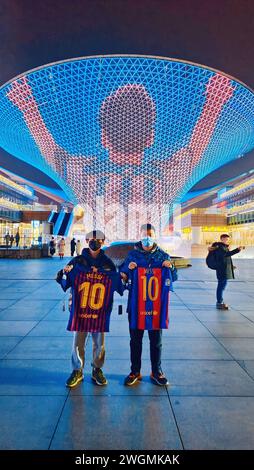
{"type": "Point", "coordinates": [146, 254]}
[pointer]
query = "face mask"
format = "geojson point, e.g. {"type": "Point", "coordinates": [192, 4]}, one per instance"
{"type": "Point", "coordinates": [148, 242]}
{"type": "Point", "coordinates": [94, 245]}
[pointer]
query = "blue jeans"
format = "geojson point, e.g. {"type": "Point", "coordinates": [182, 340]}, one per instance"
{"type": "Point", "coordinates": [220, 288]}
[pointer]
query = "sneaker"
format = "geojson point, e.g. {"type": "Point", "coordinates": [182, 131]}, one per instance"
{"type": "Point", "coordinates": [98, 377]}
{"type": "Point", "coordinates": [159, 379]}
{"type": "Point", "coordinates": [222, 306]}
{"type": "Point", "coordinates": [131, 379]}
{"type": "Point", "coordinates": [75, 378]}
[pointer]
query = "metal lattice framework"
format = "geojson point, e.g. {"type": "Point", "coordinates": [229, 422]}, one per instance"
{"type": "Point", "coordinates": [134, 129]}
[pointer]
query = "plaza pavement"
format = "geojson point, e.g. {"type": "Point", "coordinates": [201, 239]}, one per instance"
{"type": "Point", "coordinates": [208, 356]}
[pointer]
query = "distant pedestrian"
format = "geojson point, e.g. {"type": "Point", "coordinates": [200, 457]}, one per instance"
{"type": "Point", "coordinates": [40, 240]}
{"type": "Point", "coordinates": [7, 238]}
{"type": "Point", "coordinates": [61, 248]}
{"type": "Point", "coordinates": [17, 238]}
{"type": "Point", "coordinates": [78, 248]}
{"type": "Point", "coordinates": [73, 246]}
{"type": "Point", "coordinates": [52, 246]}
{"type": "Point", "coordinates": [219, 259]}
{"type": "Point", "coordinates": [11, 240]}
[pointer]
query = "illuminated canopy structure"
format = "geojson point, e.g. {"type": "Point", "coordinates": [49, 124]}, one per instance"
{"type": "Point", "coordinates": [134, 129]}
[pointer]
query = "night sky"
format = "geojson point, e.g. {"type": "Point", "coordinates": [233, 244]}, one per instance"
{"type": "Point", "coordinates": [216, 33]}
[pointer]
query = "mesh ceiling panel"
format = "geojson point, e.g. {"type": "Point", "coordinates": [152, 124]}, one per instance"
{"type": "Point", "coordinates": [135, 130]}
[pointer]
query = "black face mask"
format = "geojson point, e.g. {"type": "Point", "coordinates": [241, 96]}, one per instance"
{"type": "Point", "coordinates": [94, 245]}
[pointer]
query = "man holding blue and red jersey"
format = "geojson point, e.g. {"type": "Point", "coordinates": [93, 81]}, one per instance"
{"type": "Point", "coordinates": [143, 267]}
{"type": "Point", "coordinates": [93, 279]}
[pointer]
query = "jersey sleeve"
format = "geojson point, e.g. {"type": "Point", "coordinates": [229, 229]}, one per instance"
{"type": "Point", "coordinates": [67, 280]}
{"type": "Point", "coordinates": [123, 268]}
{"type": "Point", "coordinates": [120, 287]}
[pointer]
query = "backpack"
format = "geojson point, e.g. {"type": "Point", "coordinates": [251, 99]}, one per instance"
{"type": "Point", "coordinates": [211, 260]}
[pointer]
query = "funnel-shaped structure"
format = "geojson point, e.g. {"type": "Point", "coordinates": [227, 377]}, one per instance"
{"type": "Point", "coordinates": [133, 129]}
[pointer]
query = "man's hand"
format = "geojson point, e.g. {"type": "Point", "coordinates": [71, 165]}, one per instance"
{"type": "Point", "coordinates": [132, 265]}
{"type": "Point", "coordinates": [241, 248]}
{"type": "Point", "coordinates": [67, 268]}
{"type": "Point", "coordinates": [167, 264]}
{"type": "Point", "coordinates": [94, 269]}
{"type": "Point", "coordinates": [124, 276]}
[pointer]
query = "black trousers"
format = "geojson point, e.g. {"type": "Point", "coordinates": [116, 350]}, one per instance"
{"type": "Point", "coordinates": [155, 337]}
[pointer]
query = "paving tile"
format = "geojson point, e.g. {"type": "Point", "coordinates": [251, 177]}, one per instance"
{"type": "Point", "coordinates": [215, 423]}
{"type": "Point", "coordinates": [7, 344]}
{"type": "Point", "coordinates": [42, 348]}
{"type": "Point", "coordinates": [187, 330]}
{"type": "Point", "coordinates": [50, 328]}
{"type": "Point", "coordinates": [249, 314]}
{"type": "Point", "coordinates": [239, 348]}
{"type": "Point", "coordinates": [28, 422]}
{"type": "Point", "coordinates": [214, 315]}
{"type": "Point", "coordinates": [33, 377]}
{"type": "Point", "coordinates": [22, 314]}
{"type": "Point", "coordinates": [233, 330]}
{"type": "Point", "coordinates": [32, 304]}
{"type": "Point", "coordinates": [249, 367]}
{"type": "Point", "coordinates": [16, 328]}
{"type": "Point", "coordinates": [4, 303]}
{"type": "Point", "coordinates": [207, 378]}
{"type": "Point", "coordinates": [75, 431]}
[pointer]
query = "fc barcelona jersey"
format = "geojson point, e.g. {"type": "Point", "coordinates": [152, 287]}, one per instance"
{"type": "Point", "coordinates": [92, 298]}
{"type": "Point", "coordinates": [149, 298]}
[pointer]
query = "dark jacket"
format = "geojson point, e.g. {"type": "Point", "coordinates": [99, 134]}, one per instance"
{"type": "Point", "coordinates": [143, 258]}
{"type": "Point", "coordinates": [73, 244]}
{"type": "Point", "coordinates": [223, 255]}
{"type": "Point", "coordinates": [85, 259]}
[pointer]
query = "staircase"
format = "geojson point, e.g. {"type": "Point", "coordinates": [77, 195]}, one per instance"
{"type": "Point", "coordinates": [61, 222]}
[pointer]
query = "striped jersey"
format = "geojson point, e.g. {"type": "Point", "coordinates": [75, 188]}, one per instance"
{"type": "Point", "coordinates": [92, 298]}
{"type": "Point", "coordinates": [149, 298]}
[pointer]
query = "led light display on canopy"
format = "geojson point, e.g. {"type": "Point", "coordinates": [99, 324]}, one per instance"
{"type": "Point", "coordinates": [133, 129]}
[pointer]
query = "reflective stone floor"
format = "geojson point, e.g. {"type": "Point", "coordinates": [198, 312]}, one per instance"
{"type": "Point", "coordinates": [208, 356]}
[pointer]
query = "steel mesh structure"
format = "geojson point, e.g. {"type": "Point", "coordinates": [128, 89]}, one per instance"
{"type": "Point", "coordinates": [133, 129]}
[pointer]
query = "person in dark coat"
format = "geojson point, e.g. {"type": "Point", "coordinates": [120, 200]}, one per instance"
{"type": "Point", "coordinates": [95, 259]}
{"type": "Point", "coordinates": [73, 246]}
{"type": "Point", "coordinates": [17, 238]}
{"type": "Point", "coordinates": [224, 266]}
{"type": "Point", "coordinates": [52, 247]}
{"type": "Point", "coordinates": [146, 253]}
{"type": "Point", "coordinates": [11, 240]}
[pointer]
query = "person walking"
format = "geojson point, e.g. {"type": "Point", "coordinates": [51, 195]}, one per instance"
{"type": "Point", "coordinates": [223, 265]}
{"type": "Point", "coordinates": [73, 246]}
{"type": "Point", "coordinates": [61, 248]}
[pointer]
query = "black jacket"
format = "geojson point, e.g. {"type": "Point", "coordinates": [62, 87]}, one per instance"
{"type": "Point", "coordinates": [223, 255]}
{"type": "Point", "coordinates": [85, 259]}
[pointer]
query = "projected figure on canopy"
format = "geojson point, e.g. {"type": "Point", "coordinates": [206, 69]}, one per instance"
{"type": "Point", "coordinates": [127, 120]}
